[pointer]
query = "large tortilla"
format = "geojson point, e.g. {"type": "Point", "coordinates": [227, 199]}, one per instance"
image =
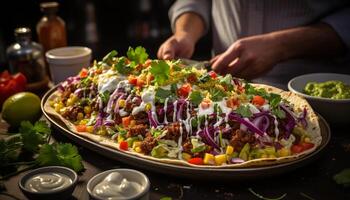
{"type": "Point", "coordinates": [298, 102]}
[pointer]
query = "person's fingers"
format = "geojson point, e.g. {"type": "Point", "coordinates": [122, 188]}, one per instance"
{"type": "Point", "coordinates": [214, 59]}
{"type": "Point", "coordinates": [223, 60]}
{"type": "Point", "coordinates": [160, 52]}
{"type": "Point", "coordinates": [168, 51]}
{"type": "Point", "coordinates": [236, 66]}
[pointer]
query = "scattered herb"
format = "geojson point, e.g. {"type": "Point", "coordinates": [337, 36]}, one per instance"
{"type": "Point", "coordinates": [162, 94]}
{"type": "Point", "coordinates": [198, 149]}
{"type": "Point", "coordinates": [279, 113]}
{"type": "Point", "coordinates": [34, 135]}
{"type": "Point", "coordinates": [122, 67]}
{"type": "Point", "coordinates": [216, 94]}
{"type": "Point", "coordinates": [160, 70]}
{"type": "Point", "coordinates": [196, 97]}
{"type": "Point", "coordinates": [244, 111]}
{"type": "Point", "coordinates": [265, 198]}
{"type": "Point", "coordinates": [104, 96]}
{"type": "Point", "coordinates": [138, 56]}
{"type": "Point", "coordinates": [343, 177]}
{"type": "Point", "coordinates": [108, 59]}
{"type": "Point", "coordinates": [121, 131]}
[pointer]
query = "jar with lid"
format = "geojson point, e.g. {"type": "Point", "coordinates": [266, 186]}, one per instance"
{"type": "Point", "coordinates": [51, 29]}
{"type": "Point", "coordinates": [26, 56]}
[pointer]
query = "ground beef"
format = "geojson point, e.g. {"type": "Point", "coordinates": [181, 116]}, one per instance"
{"type": "Point", "coordinates": [72, 113]}
{"type": "Point", "coordinates": [140, 129]}
{"type": "Point", "coordinates": [148, 144]}
{"type": "Point", "coordinates": [173, 131]}
{"type": "Point", "coordinates": [141, 118]}
{"type": "Point", "coordinates": [240, 138]}
{"type": "Point", "coordinates": [187, 146]}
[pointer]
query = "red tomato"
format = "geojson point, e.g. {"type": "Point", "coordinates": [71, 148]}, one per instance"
{"type": "Point", "coordinates": [123, 145]}
{"type": "Point", "coordinates": [307, 145]}
{"type": "Point", "coordinates": [20, 79]}
{"type": "Point", "coordinates": [81, 128]}
{"type": "Point", "coordinates": [297, 148]}
{"type": "Point", "coordinates": [83, 73]}
{"type": "Point", "coordinates": [258, 100]}
{"type": "Point", "coordinates": [212, 74]}
{"type": "Point", "coordinates": [132, 80]}
{"type": "Point", "coordinates": [196, 161]}
{"type": "Point", "coordinates": [184, 90]}
{"type": "Point", "coordinates": [231, 103]}
{"type": "Point", "coordinates": [126, 121]}
{"type": "Point", "coordinates": [5, 76]}
{"type": "Point", "coordinates": [140, 82]}
{"type": "Point", "coordinates": [10, 85]}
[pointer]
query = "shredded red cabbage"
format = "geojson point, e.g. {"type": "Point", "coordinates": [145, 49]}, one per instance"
{"type": "Point", "coordinates": [207, 135]}
{"type": "Point", "coordinates": [247, 123]}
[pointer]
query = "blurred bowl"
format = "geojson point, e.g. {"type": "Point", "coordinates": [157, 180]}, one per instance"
{"type": "Point", "coordinates": [130, 175]}
{"type": "Point", "coordinates": [335, 111]}
{"type": "Point", "coordinates": [63, 193]}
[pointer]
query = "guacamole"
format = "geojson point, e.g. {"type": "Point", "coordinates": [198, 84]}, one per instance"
{"type": "Point", "coordinates": [328, 89]}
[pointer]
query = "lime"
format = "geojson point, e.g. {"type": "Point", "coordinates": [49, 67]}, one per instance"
{"type": "Point", "coordinates": [20, 107]}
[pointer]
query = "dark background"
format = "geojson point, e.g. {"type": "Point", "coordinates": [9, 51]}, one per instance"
{"type": "Point", "coordinates": [101, 25]}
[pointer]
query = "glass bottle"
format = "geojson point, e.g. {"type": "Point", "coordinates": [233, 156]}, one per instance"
{"type": "Point", "coordinates": [26, 56]}
{"type": "Point", "coordinates": [51, 29]}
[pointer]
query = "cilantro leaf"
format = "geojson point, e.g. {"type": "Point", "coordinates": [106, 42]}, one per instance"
{"type": "Point", "coordinates": [279, 113]}
{"type": "Point", "coordinates": [33, 136]}
{"type": "Point", "coordinates": [216, 94]}
{"type": "Point", "coordinates": [122, 67]}
{"type": "Point", "coordinates": [343, 177]}
{"type": "Point", "coordinates": [62, 154]}
{"type": "Point", "coordinates": [244, 111]}
{"type": "Point", "coordinates": [161, 71]}
{"type": "Point", "coordinates": [109, 57]}
{"type": "Point", "coordinates": [138, 56]}
{"type": "Point", "coordinates": [196, 97]}
{"type": "Point", "coordinates": [162, 94]}
{"type": "Point", "coordinates": [104, 96]}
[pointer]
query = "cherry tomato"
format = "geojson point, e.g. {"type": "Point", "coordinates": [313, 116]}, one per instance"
{"type": "Point", "coordinates": [184, 90]}
{"type": "Point", "coordinates": [258, 100]}
{"type": "Point", "coordinates": [297, 148]}
{"type": "Point", "coordinates": [196, 161]}
{"type": "Point", "coordinates": [212, 74]}
{"type": "Point", "coordinates": [123, 145]}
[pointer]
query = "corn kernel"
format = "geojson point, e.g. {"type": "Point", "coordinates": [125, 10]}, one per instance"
{"type": "Point", "coordinates": [52, 103]}
{"type": "Point", "coordinates": [80, 116]}
{"type": "Point", "coordinates": [69, 102]}
{"type": "Point", "coordinates": [89, 129]}
{"type": "Point", "coordinates": [120, 139]}
{"type": "Point", "coordinates": [87, 109]}
{"type": "Point", "coordinates": [71, 95]}
{"type": "Point", "coordinates": [283, 152]}
{"type": "Point", "coordinates": [138, 149]}
{"type": "Point", "coordinates": [83, 122]}
{"type": "Point", "coordinates": [186, 156]}
{"type": "Point", "coordinates": [136, 144]}
{"type": "Point", "coordinates": [307, 139]}
{"type": "Point", "coordinates": [74, 98]}
{"type": "Point", "coordinates": [62, 110]}
{"type": "Point", "coordinates": [57, 107]}
{"type": "Point", "coordinates": [209, 159]}
{"type": "Point", "coordinates": [220, 159]}
{"type": "Point", "coordinates": [229, 150]}
{"type": "Point", "coordinates": [148, 106]}
{"type": "Point", "coordinates": [132, 123]}
{"type": "Point", "coordinates": [121, 103]}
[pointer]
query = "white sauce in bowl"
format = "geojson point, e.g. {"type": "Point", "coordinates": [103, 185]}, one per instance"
{"type": "Point", "coordinates": [48, 181]}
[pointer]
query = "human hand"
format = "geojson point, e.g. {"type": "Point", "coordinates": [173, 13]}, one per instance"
{"type": "Point", "coordinates": [249, 57]}
{"type": "Point", "coordinates": [177, 46]}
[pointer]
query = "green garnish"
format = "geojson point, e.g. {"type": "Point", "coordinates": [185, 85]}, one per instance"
{"type": "Point", "coordinates": [162, 94]}
{"type": "Point", "coordinates": [244, 111]}
{"type": "Point", "coordinates": [161, 71]}
{"type": "Point", "coordinates": [62, 154]}
{"type": "Point", "coordinates": [216, 94]}
{"type": "Point", "coordinates": [196, 97]}
{"type": "Point", "coordinates": [138, 56]}
{"type": "Point", "coordinates": [108, 59]}
{"type": "Point", "coordinates": [122, 67]}
{"type": "Point", "coordinates": [34, 135]}
{"type": "Point", "coordinates": [104, 97]}
{"type": "Point", "coordinates": [198, 149]}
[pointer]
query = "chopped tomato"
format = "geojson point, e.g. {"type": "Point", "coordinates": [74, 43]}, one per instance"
{"type": "Point", "coordinates": [126, 121]}
{"type": "Point", "coordinates": [258, 100]}
{"type": "Point", "coordinates": [232, 102]}
{"type": "Point", "coordinates": [205, 103]}
{"type": "Point", "coordinates": [307, 145]}
{"type": "Point", "coordinates": [132, 79]}
{"type": "Point", "coordinates": [184, 90]}
{"type": "Point", "coordinates": [297, 148]}
{"type": "Point", "coordinates": [123, 145]}
{"type": "Point", "coordinates": [196, 161]}
{"type": "Point", "coordinates": [20, 79]}
{"type": "Point", "coordinates": [212, 74]}
{"type": "Point", "coordinates": [83, 73]}
{"type": "Point", "coordinates": [81, 128]}
{"type": "Point", "coordinates": [140, 82]}
{"type": "Point", "coordinates": [10, 85]}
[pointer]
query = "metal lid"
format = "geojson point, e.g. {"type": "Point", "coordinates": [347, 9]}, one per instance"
{"type": "Point", "coordinates": [49, 7]}
{"type": "Point", "coordinates": [23, 32]}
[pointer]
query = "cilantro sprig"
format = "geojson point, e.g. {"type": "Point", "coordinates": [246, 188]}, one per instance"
{"type": "Point", "coordinates": [244, 111]}
{"type": "Point", "coordinates": [196, 97]}
{"type": "Point", "coordinates": [137, 55]}
{"type": "Point", "coordinates": [161, 71]}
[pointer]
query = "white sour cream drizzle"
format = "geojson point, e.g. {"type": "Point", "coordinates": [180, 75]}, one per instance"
{"type": "Point", "coordinates": [115, 186]}
{"type": "Point", "coordinates": [48, 181]}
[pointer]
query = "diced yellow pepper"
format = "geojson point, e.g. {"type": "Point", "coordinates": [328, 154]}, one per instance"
{"type": "Point", "coordinates": [148, 106]}
{"type": "Point", "coordinates": [58, 107]}
{"type": "Point", "coordinates": [138, 149]}
{"type": "Point", "coordinates": [136, 144]}
{"type": "Point", "coordinates": [83, 122]}
{"type": "Point", "coordinates": [220, 159]}
{"type": "Point", "coordinates": [87, 109]}
{"type": "Point", "coordinates": [283, 152]}
{"type": "Point", "coordinates": [89, 129]}
{"type": "Point", "coordinates": [80, 116]}
{"type": "Point", "coordinates": [209, 159]}
{"type": "Point", "coordinates": [229, 150]}
{"type": "Point", "coordinates": [120, 139]}
{"type": "Point", "coordinates": [101, 132]}
{"type": "Point", "coordinates": [186, 156]}
{"type": "Point", "coordinates": [69, 102]}
{"type": "Point", "coordinates": [121, 103]}
{"type": "Point", "coordinates": [307, 139]}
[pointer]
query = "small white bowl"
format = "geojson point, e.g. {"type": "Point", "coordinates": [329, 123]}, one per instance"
{"type": "Point", "coordinates": [129, 174]}
{"type": "Point", "coordinates": [336, 111]}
